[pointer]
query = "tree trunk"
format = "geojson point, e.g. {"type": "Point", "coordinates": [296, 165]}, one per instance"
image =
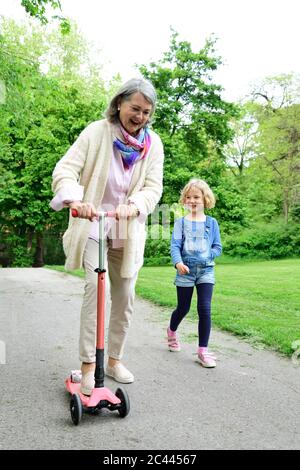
{"type": "Point", "coordinates": [29, 241]}
{"type": "Point", "coordinates": [286, 206]}
{"type": "Point", "coordinates": [39, 251]}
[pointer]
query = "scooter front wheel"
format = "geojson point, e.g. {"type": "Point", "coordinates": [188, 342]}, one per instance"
{"type": "Point", "coordinates": [125, 403]}
{"type": "Point", "coordinates": [76, 408]}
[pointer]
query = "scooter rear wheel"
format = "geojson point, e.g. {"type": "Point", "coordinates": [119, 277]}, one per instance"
{"type": "Point", "coordinates": [125, 403]}
{"type": "Point", "coordinates": [76, 408]}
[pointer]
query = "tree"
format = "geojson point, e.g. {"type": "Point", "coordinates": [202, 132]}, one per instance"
{"type": "Point", "coordinates": [188, 100]}
{"type": "Point", "coordinates": [278, 116]}
{"type": "Point", "coordinates": [37, 9]}
{"type": "Point", "coordinates": [191, 117]}
{"type": "Point", "coordinates": [242, 149]}
{"type": "Point", "coordinates": [40, 118]}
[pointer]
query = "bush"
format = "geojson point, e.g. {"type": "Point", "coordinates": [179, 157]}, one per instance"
{"type": "Point", "coordinates": [53, 248]}
{"type": "Point", "coordinates": [157, 245]}
{"type": "Point", "coordinates": [264, 241]}
{"type": "Point", "coordinates": [156, 261]}
{"type": "Point", "coordinates": [21, 257]}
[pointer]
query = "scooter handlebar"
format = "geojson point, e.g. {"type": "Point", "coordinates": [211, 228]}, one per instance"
{"type": "Point", "coordinates": [105, 214]}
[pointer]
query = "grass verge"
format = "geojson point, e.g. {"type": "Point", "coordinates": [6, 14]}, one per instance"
{"type": "Point", "coordinates": [257, 300]}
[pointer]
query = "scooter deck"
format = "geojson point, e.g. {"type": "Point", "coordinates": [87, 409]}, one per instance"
{"type": "Point", "coordinates": [98, 394]}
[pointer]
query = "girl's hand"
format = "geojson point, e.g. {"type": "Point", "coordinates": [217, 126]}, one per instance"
{"type": "Point", "coordinates": [86, 210]}
{"type": "Point", "coordinates": [182, 268]}
{"type": "Point", "coordinates": [125, 211]}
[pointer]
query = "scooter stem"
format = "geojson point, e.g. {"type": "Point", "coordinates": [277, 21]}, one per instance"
{"type": "Point", "coordinates": [99, 371]}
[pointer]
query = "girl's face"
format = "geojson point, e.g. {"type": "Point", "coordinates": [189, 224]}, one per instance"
{"type": "Point", "coordinates": [134, 113]}
{"type": "Point", "coordinates": [194, 201]}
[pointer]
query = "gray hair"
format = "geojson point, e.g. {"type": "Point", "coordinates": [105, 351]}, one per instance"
{"type": "Point", "coordinates": [135, 85]}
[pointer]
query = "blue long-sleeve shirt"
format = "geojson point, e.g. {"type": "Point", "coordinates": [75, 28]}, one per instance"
{"type": "Point", "coordinates": [195, 242]}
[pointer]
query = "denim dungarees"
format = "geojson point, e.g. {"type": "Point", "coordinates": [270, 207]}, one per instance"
{"type": "Point", "coordinates": [196, 254]}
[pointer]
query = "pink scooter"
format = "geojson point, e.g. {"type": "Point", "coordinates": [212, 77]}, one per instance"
{"type": "Point", "coordinates": [101, 396]}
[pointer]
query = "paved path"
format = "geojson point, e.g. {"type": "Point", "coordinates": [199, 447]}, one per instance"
{"type": "Point", "coordinates": [250, 401]}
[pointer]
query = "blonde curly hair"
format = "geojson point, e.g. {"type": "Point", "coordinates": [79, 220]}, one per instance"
{"type": "Point", "coordinates": [208, 196]}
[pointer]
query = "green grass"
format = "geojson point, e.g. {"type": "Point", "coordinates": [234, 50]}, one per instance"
{"type": "Point", "coordinates": [257, 300]}
{"type": "Point", "coordinates": [76, 272]}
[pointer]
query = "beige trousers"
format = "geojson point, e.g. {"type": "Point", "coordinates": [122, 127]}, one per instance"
{"type": "Point", "coordinates": [120, 294]}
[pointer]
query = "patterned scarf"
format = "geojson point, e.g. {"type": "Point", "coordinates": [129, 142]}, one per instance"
{"type": "Point", "coordinates": [133, 149]}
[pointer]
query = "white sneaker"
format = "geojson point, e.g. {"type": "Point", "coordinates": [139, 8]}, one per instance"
{"type": "Point", "coordinates": [87, 383]}
{"type": "Point", "coordinates": [120, 373]}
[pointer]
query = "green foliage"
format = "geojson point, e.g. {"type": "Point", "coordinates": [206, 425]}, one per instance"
{"type": "Point", "coordinates": [37, 9]}
{"type": "Point", "coordinates": [230, 210]}
{"type": "Point", "coordinates": [267, 241]}
{"type": "Point", "coordinates": [53, 249]}
{"type": "Point", "coordinates": [50, 89]}
{"type": "Point", "coordinates": [242, 149]}
{"type": "Point", "coordinates": [157, 261]}
{"type": "Point", "coordinates": [41, 117]}
{"type": "Point", "coordinates": [191, 117]}
{"type": "Point", "coordinates": [157, 249]}
{"type": "Point", "coordinates": [187, 99]}
{"type": "Point", "coordinates": [295, 213]}
{"type": "Point", "coordinates": [277, 111]}
{"type": "Point", "coordinates": [18, 251]}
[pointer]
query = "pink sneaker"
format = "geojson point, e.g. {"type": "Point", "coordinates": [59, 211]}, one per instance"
{"type": "Point", "coordinates": [206, 359]}
{"type": "Point", "coordinates": [173, 343]}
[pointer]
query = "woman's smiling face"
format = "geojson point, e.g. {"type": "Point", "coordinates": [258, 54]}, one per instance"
{"type": "Point", "coordinates": [134, 113]}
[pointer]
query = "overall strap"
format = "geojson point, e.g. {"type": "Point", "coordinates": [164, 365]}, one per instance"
{"type": "Point", "coordinates": [208, 224]}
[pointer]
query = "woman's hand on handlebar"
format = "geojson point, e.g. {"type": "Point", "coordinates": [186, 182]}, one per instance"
{"type": "Point", "coordinates": [85, 210]}
{"type": "Point", "coordinates": [124, 211]}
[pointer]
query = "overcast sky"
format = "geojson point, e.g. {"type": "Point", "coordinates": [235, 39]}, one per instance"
{"type": "Point", "coordinates": [256, 38]}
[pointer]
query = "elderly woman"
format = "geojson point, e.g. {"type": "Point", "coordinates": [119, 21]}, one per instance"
{"type": "Point", "coordinates": [115, 164]}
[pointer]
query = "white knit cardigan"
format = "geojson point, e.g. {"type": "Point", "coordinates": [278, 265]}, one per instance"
{"type": "Point", "coordinates": [87, 164]}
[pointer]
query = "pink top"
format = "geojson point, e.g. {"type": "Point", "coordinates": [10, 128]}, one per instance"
{"type": "Point", "coordinates": [115, 193]}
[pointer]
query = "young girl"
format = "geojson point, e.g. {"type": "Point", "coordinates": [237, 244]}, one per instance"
{"type": "Point", "coordinates": [194, 246]}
